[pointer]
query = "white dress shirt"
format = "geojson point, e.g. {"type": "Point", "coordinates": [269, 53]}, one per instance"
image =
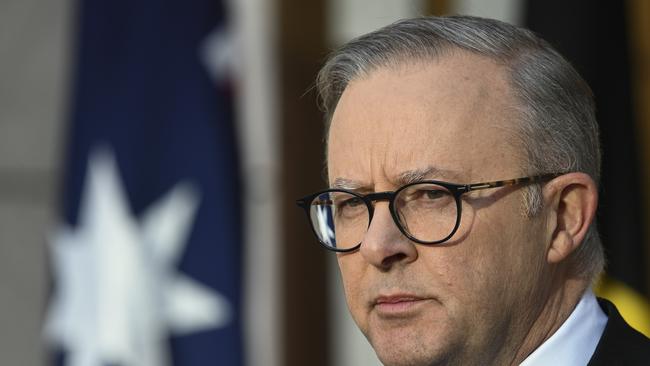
{"type": "Point", "coordinates": [575, 341]}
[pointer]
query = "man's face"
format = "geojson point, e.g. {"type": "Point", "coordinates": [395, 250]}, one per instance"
{"type": "Point", "coordinates": [466, 301]}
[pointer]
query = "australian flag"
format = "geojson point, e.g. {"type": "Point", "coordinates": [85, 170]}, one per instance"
{"type": "Point", "coordinates": [146, 261]}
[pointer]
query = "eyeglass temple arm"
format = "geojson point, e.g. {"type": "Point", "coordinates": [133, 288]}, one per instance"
{"type": "Point", "coordinates": [510, 182]}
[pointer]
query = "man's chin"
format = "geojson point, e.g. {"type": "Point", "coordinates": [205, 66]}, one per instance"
{"type": "Point", "coordinates": [408, 356]}
{"type": "Point", "coordinates": [409, 346]}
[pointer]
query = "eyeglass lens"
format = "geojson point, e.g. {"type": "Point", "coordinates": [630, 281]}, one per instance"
{"type": "Point", "coordinates": [425, 211]}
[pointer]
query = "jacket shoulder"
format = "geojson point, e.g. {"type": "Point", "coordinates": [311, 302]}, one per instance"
{"type": "Point", "coordinates": [620, 344]}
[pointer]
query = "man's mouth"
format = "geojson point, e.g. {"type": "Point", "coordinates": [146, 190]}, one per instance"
{"type": "Point", "coordinates": [399, 305]}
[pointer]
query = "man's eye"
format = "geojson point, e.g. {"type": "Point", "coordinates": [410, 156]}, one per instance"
{"type": "Point", "coordinates": [351, 202]}
{"type": "Point", "coordinates": [433, 194]}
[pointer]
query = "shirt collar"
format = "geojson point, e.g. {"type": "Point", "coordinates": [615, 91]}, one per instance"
{"type": "Point", "coordinates": [576, 340]}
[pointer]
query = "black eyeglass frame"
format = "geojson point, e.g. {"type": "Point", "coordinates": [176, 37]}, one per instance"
{"type": "Point", "coordinates": [457, 190]}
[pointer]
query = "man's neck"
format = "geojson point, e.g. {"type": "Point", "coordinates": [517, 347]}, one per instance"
{"type": "Point", "coordinates": [559, 304]}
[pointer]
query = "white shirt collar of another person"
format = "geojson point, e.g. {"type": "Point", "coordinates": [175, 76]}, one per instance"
{"type": "Point", "coordinates": [575, 341]}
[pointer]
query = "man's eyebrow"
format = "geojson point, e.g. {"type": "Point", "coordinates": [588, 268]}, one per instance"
{"type": "Point", "coordinates": [406, 177]}
{"type": "Point", "coordinates": [345, 183]}
{"type": "Point", "coordinates": [430, 172]}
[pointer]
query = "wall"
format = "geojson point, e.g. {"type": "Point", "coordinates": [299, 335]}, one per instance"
{"type": "Point", "coordinates": [34, 46]}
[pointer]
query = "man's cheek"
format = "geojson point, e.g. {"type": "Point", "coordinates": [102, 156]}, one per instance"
{"type": "Point", "coordinates": [356, 304]}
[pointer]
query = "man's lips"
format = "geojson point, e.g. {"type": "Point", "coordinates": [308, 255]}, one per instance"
{"type": "Point", "coordinates": [399, 305]}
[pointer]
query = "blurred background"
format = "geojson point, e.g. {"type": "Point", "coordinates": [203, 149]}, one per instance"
{"type": "Point", "coordinates": [151, 153]}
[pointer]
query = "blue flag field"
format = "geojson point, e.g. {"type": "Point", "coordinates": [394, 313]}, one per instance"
{"type": "Point", "coordinates": [146, 261]}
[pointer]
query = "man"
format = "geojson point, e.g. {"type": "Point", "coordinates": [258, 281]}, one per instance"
{"type": "Point", "coordinates": [463, 164]}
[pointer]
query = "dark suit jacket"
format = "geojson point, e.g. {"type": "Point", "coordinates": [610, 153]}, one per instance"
{"type": "Point", "coordinates": [620, 343]}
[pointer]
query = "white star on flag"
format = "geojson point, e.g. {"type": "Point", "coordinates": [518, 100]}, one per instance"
{"type": "Point", "coordinates": [118, 292]}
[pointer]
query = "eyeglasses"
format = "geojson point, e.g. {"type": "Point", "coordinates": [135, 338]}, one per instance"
{"type": "Point", "coordinates": [426, 212]}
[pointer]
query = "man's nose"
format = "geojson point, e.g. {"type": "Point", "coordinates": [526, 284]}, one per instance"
{"type": "Point", "coordinates": [384, 245]}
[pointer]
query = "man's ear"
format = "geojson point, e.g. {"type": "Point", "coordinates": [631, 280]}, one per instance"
{"type": "Point", "coordinates": [571, 201]}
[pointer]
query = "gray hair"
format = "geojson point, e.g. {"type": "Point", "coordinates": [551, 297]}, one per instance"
{"type": "Point", "coordinates": [557, 130]}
